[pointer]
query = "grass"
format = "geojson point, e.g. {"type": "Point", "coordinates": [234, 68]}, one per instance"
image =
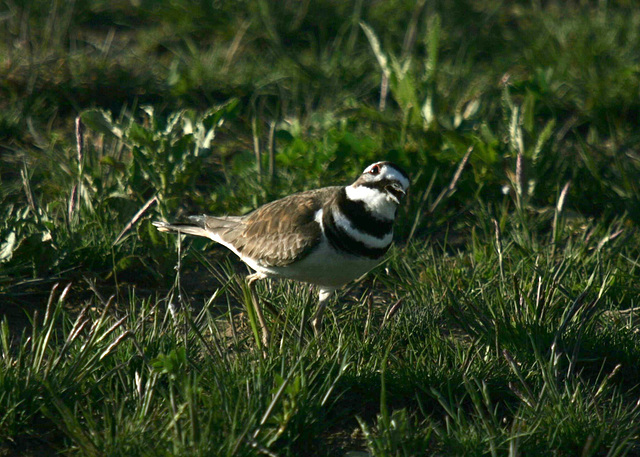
{"type": "Point", "coordinates": [503, 322]}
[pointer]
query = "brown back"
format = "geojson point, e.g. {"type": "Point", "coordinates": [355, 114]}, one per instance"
{"type": "Point", "coordinates": [281, 232]}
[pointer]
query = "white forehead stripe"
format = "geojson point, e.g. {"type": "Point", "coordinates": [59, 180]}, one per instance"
{"type": "Point", "coordinates": [387, 172]}
{"type": "Point", "coordinates": [369, 240]}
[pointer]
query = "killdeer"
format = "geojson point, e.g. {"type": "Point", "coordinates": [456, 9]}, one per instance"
{"type": "Point", "coordinates": [327, 237]}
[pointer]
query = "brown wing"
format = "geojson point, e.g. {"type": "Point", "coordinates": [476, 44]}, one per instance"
{"type": "Point", "coordinates": [283, 231]}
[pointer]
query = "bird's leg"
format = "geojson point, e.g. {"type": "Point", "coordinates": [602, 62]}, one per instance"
{"type": "Point", "coordinates": [254, 299]}
{"type": "Point", "coordinates": [323, 297]}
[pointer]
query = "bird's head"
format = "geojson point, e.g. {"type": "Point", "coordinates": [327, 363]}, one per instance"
{"type": "Point", "coordinates": [381, 186]}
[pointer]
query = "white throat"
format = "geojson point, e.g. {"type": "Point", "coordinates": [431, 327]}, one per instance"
{"type": "Point", "coordinates": [377, 202]}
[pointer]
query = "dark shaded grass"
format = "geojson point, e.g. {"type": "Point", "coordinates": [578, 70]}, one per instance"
{"type": "Point", "coordinates": [505, 326]}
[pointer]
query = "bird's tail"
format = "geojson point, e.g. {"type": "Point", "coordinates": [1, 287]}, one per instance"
{"type": "Point", "coordinates": [189, 229]}
{"type": "Point", "coordinates": [206, 226]}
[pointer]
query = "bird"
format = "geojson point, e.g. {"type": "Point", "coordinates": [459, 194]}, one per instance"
{"type": "Point", "coordinates": [327, 237]}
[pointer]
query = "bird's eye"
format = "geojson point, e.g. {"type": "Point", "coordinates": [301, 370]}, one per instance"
{"type": "Point", "coordinates": [375, 170]}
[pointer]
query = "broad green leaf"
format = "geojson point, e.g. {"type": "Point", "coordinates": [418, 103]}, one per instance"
{"type": "Point", "coordinates": [100, 121]}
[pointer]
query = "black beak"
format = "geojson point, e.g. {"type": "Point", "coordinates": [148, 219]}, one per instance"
{"type": "Point", "coordinates": [396, 191]}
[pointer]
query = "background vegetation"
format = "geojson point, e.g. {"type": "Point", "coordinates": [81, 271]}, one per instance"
{"type": "Point", "coordinates": [504, 321]}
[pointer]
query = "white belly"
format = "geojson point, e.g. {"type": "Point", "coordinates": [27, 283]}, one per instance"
{"type": "Point", "coordinates": [325, 267]}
